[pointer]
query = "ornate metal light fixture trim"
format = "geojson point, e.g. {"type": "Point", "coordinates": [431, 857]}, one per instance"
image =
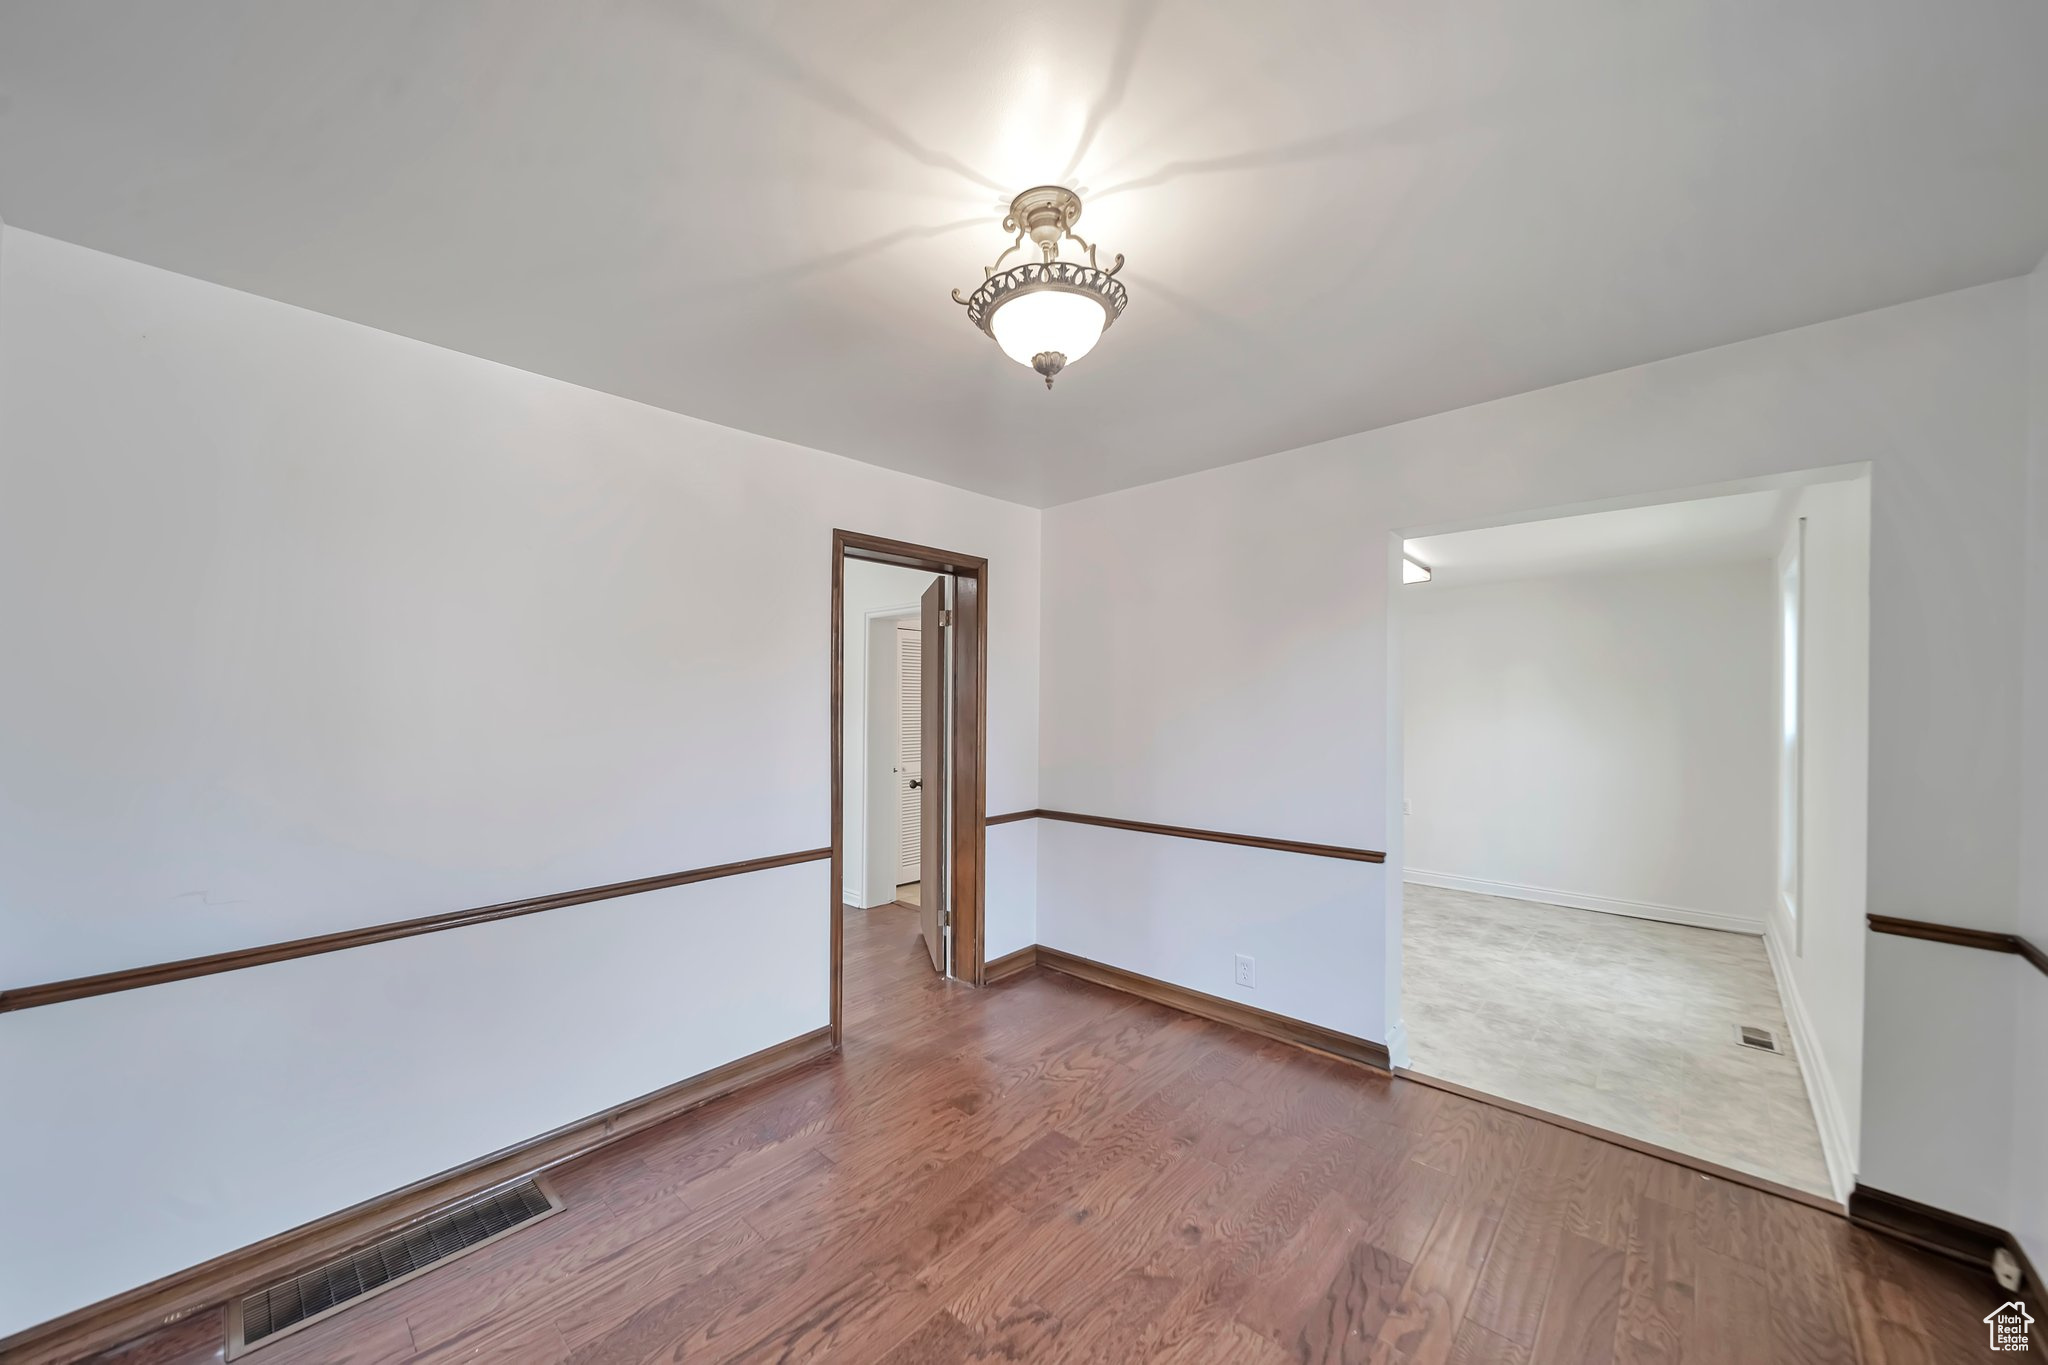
{"type": "Point", "coordinates": [1047, 214]}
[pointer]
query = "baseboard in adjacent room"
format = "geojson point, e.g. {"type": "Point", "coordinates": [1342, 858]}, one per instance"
{"type": "Point", "coordinates": [1829, 1116]}
{"type": "Point", "coordinates": [1573, 900]}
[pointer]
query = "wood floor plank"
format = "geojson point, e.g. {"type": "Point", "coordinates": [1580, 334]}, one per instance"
{"type": "Point", "coordinates": [1461, 1132]}
{"type": "Point", "coordinates": [1657, 1286]}
{"type": "Point", "coordinates": [1516, 1278]}
{"type": "Point", "coordinates": [1329, 1292]}
{"type": "Point", "coordinates": [1228, 1341]}
{"type": "Point", "coordinates": [1117, 1265]}
{"type": "Point", "coordinates": [616, 1259]}
{"type": "Point", "coordinates": [1478, 1346]}
{"type": "Point", "coordinates": [1732, 1317]}
{"type": "Point", "coordinates": [862, 1320]}
{"type": "Point", "coordinates": [739, 1183]}
{"type": "Point", "coordinates": [1400, 1200]}
{"type": "Point", "coordinates": [1054, 1171]}
{"type": "Point", "coordinates": [558, 1259]}
{"type": "Point", "coordinates": [1809, 1306]}
{"type": "Point", "coordinates": [1241, 1233]}
{"type": "Point", "coordinates": [1606, 1183]}
{"type": "Point", "coordinates": [942, 1340]}
{"type": "Point", "coordinates": [1113, 1284]}
{"type": "Point", "coordinates": [1000, 1286]}
{"type": "Point", "coordinates": [692, 1318]}
{"type": "Point", "coordinates": [1424, 1323]}
{"type": "Point", "coordinates": [1729, 1219]}
{"type": "Point", "coordinates": [653, 1274]}
{"type": "Point", "coordinates": [367, 1341]}
{"type": "Point", "coordinates": [1583, 1309]}
{"type": "Point", "coordinates": [524, 1338]}
{"type": "Point", "coordinates": [1891, 1324]}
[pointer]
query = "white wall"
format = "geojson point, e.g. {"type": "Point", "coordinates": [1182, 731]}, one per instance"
{"type": "Point", "coordinates": [1240, 676]}
{"type": "Point", "coordinates": [867, 689]}
{"type": "Point", "coordinates": [2030, 1097]}
{"type": "Point", "coordinates": [1010, 912]}
{"type": "Point", "coordinates": [1939, 1064]}
{"type": "Point", "coordinates": [1181, 909]}
{"type": "Point", "coordinates": [312, 626]}
{"type": "Point", "coordinates": [1820, 963]}
{"type": "Point", "coordinates": [1599, 739]}
{"type": "Point", "coordinates": [1205, 651]}
{"type": "Point", "coordinates": [150, 1130]}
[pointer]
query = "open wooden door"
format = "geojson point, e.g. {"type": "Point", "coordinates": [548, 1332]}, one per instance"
{"type": "Point", "coordinates": [933, 869]}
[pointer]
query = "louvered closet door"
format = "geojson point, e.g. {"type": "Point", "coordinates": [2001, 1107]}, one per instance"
{"type": "Point", "coordinates": [910, 758]}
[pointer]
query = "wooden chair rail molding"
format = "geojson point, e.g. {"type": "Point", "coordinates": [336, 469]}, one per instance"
{"type": "Point", "coordinates": [156, 974]}
{"type": "Point", "coordinates": [1986, 939]}
{"type": "Point", "coordinates": [1356, 855]}
{"type": "Point", "coordinates": [132, 978]}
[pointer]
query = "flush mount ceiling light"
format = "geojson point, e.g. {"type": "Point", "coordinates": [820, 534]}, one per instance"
{"type": "Point", "coordinates": [1046, 313]}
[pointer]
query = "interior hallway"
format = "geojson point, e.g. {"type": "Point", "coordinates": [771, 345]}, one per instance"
{"type": "Point", "coordinates": [1626, 1024]}
{"type": "Point", "coordinates": [1047, 1170]}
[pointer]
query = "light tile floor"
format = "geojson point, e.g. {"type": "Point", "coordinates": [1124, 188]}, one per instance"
{"type": "Point", "coordinates": [1623, 1023]}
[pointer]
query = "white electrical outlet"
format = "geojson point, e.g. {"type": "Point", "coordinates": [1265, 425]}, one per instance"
{"type": "Point", "coordinates": [1247, 972]}
{"type": "Point", "coordinates": [1407, 806]}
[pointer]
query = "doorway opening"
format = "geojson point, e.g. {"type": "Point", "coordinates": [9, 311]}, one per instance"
{"type": "Point", "coordinates": [909, 727]}
{"type": "Point", "coordinates": [1632, 786]}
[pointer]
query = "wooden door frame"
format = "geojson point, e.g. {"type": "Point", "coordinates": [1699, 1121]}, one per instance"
{"type": "Point", "coordinates": [967, 752]}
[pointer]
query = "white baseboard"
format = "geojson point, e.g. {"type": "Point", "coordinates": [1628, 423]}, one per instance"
{"type": "Point", "coordinates": [1397, 1044]}
{"type": "Point", "coordinates": [1828, 1114]}
{"type": "Point", "coordinates": [1606, 905]}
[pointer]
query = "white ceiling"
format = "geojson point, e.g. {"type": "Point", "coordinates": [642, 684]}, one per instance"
{"type": "Point", "coordinates": [1337, 215]}
{"type": "Point", "coordinates": [1668, 535]}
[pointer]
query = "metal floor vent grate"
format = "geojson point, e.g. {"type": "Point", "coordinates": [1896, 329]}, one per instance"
{"type": "Point", "coordinates": [262, 1317]}
{"type": "Point", "coordinates": [1762, 1039]}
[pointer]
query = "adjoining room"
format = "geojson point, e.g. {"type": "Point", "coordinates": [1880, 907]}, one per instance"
{"type": "Point", "coordinates": [1627, 900]}
{"type": "Point", "coordinates": [884, 731]}
{"type": "Point", "coordinates": [886, 784]}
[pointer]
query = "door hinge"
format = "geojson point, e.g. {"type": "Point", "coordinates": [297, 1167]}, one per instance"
{"type": "Point", "coordinates": [945, 919]}
{"type": "Point", "coordinates": [945, 616]}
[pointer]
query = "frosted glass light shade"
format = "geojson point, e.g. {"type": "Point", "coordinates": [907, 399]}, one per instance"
{"type": "Point", "coordinates": [1048, 320]}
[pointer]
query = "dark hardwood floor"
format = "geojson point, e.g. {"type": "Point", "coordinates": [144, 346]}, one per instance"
{"type": "Point", "coordinates": [1047, 1170]}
